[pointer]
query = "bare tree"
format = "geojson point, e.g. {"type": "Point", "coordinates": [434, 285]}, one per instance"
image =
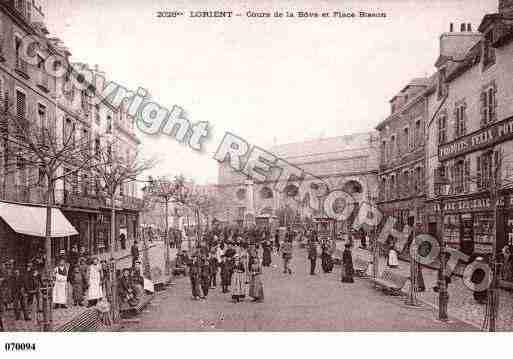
{"type": "Point", "coordinates": [36, 152]}
{"type": "Point", "coordinates": [113, 171]}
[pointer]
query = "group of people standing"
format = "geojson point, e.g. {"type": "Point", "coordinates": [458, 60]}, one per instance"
{"type": "Point", "coordinates": [237, 265]}
{"type": "Point", "coordinates": [77, 281]}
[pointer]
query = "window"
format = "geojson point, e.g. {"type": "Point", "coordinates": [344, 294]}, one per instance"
{"type": "Point", "coordinates": [41, 111]}
{"type": "Point", "coordinates": [384, 152]}
{"type": "Point", "coordinates": [109, 124]}
{"type": "Point", "coordinates": [488, 50]}
{"type": "Point", "coordinates": [2, 32]}
{"type": "Point", "coordinates": [406, 183]}
{"type": "Point", "coordinates": [392, 187]}
{"type": "Point", "coordinates": [383, 192]}
{"type": "Point", "coordinates": [392, 147]}
{"type": "Point", "coordinates": [487, 168]}
{"type": "Point", "coordinates": [97, 146]}
{"type": "Point", "coordinates": [460, 123]}
{"type": "Point", "coordinates": [441, 173]}
{"type": "Point", "coordinates": [21, 105]}
{"type": "Point", "coordinates": [85, 184]}
{"type": "Point", "coordinates": [488, 105]}
{"type": "Point", "coordinates": [20, 64]}
{"type": "Point", "coordinates": [442, 129]}
{"type": "Point", "coordinates": [406, 136]}
{"type": "Point", "coordinates": [418, 134]}
{"type": "Point", "coordinates": [458, 176]}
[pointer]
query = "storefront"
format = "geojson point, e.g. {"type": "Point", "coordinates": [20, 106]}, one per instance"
{"type": "Point", "coordinates": [468, 222]}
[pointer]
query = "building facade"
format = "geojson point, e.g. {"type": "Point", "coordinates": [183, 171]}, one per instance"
{"type": "Point", "coordinates": [30, 92]}
{"type": "Point", "coordinates": [348, 163]}
{"type": "Point", "coordinates": [402, 153]}
{"type": "Point", "coordinates": [470, 138]}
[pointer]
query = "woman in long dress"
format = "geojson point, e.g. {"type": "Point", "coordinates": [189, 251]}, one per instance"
{"type": "Point", "coordinates": [94, 278]}
{"type": "Point", "coordinates": [60, 290]}
{"type": "Point", "coordinates": [347, 265]}
{"type": "Point", "coordinates": [266, 253]}
{"type": "Point", "coordinates": [238, 281]}
{"type": "Point", "coordinates": [256, 288]}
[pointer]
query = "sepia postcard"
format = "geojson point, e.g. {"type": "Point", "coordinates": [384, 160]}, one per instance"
{"type": "Point", "coordinates": [273, 167]}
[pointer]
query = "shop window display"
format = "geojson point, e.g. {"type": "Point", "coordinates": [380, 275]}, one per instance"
{"type": "Point", "coordinates": [483, 226]}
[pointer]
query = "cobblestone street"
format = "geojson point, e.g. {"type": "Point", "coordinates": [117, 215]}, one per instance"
{"type": "Point", "coordinates": [461, 302]}
{"type": "Point", "coordinates": [299, 302]}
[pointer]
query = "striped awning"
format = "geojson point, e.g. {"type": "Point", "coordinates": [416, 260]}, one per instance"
{"type": "Point", "coordinates": [31, 220]}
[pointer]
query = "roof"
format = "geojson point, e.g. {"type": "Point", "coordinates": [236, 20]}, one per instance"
{"type": "Point", "coordinates": [324, 148]}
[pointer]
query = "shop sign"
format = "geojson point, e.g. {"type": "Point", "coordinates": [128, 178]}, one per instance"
{"type": "Point", "coordinates": [486, 137]}
{"type": "Point", "coordinates": [473, 204]}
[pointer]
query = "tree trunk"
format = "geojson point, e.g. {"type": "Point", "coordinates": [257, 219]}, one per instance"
{"type": "Point", "coordinates": [113, 279]}
{"type": "Point", "coordinates": [47, 275]}
{"type": "Point", "coordinates": [167, 263]}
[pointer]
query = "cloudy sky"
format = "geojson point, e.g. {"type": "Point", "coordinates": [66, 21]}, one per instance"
{"type": "Point", "coordinates": [268, 80]}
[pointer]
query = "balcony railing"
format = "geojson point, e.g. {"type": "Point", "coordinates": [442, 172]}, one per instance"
{"type": "Point", "coordinates": [76, 199]}
{"type": "Point", "coordinates": [21, 68]}
{"type": "Point", "coordinates": [23, 194]}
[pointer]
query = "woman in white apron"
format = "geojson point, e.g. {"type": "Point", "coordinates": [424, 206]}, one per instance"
{"type": "Point", "coordinates": [94, 279]}
{"type": "Point", "coordinates": [59, 292]}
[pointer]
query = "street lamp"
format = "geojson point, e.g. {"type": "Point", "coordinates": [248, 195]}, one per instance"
{"type": "Point", "coordinates": [443, 183]}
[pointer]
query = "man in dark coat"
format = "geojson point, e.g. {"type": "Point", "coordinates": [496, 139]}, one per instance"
{"type": "Point", "coordinates": [226, 272]}
{"type": "Point", "coordinates": [194, 276]}
{"type": "Point", "coordinates": [19, 294]}
{"type": "Point", "coordinates": [312, 256]}
{"type": "Point", "coordinates": [134, 251]}
{"type": "Point", "coordinates": [213, 269]}
{"type": "Point", "coordinates": [347, 265]}
{"type": "Point", "coordinates": [205, 275]}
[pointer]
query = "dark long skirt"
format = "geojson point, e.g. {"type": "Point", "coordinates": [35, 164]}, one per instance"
{"type": "Point", "coordinates": [266, 257]}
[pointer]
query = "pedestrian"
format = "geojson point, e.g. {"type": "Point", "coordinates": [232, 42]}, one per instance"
{"type": "Point", "coordinates": [94, 278]}
{"type": "Point", "coordinates": [194, 276]}
{"type": "Point", "coordinates": [205, 275]}
{"type": "Point", "coordinates": [60, 287]}
{"type": "Point", "coordinates": [239, 280]}
{"type": "Point", "coordinates": [312, 256]}
{"type": "Point", "coordinates": [393, 261]}
{"type": "Point", "coordinates": [420, 286]}
{"type": "Point", "coordinates": [33, 284]}
{"type": "Point", "coordinates": [256, 288]}
{"type": "Point", "coordinates": [347, 265]}
{"type": "Point", "coordinates": [134, 251]}
{"type": "Point", "coordinates": [126, 289]}
{"type": "Point", "coordinates": [122, 239]}
{"type": "Point", "coordinates": [363, 240]}
{"type": "Point", "coordinates": [277, 240]}
{"type": "Point", "coordinates": [326, 260]}
{"type": "Point", "coordinates": [225, 273]}
{"type": "Point", "coordinates": [77, 284]}
{"type": "Point", "coordinates": [214, 265]}
{"type": "Point", "coordinates": [287, 256]}
{"type": "Point", "coordinates": [266, 253]}
{"type": "Point", "coordinates": [19, 295]}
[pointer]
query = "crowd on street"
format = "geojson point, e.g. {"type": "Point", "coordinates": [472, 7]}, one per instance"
{"type": "Point", "coordinates": [235, 259]}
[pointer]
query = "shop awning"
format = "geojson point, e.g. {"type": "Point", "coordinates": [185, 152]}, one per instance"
{"type": "Point", "coordinates": [31, 220]}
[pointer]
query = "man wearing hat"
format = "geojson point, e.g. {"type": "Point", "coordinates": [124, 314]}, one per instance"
{"type": "Point", "coordinates": [194, 276]}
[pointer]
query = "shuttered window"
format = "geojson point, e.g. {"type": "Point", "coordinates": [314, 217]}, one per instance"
{"type": "Point", "coordinates": [21, 105]}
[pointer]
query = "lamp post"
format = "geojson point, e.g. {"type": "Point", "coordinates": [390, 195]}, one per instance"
{"type": "Point", "coordinates": [443, 296]}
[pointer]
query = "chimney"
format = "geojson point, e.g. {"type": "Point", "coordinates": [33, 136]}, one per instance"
{"type": "Point", "coordinates": [454, 45]}
{"type": "Point", "coordinates": [451, 27]}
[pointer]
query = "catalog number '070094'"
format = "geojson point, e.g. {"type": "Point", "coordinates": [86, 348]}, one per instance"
{"type": "Point", "coordinates": [19, 347]}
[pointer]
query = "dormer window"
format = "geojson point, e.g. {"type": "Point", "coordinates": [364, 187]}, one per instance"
{"type": "Point", "coordinates": [488, 50]}
{"type": "Point", "coordinates": [442, 87]}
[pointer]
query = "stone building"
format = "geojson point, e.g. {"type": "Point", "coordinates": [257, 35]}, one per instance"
{"type": "Point", "coordinates": [401, 167]}
{"type": "Point", "coordinates": [346, 162]}
{"type": "Point", "coordinates": [470, 135]}
{"type": "Point", "coordinates": [29, 91]}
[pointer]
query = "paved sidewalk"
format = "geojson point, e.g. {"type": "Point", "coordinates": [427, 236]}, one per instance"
{"type": "Point", "coordinates": [461, 302]}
